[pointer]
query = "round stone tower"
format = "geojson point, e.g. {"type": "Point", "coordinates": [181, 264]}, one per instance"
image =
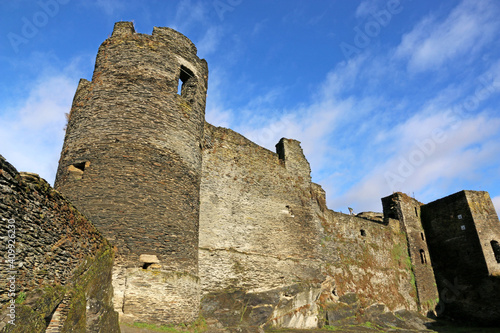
{"type": "Point", "coordinates": [131, 162]}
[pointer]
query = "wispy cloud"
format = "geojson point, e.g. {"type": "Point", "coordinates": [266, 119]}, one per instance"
{"type": "Point", "coordinates": [209, 42]}
{"type": "Point", "coordinates": [216, 112]}
{"type": "Point", "coordinates": [465, 31]}
{"type": "Point", "coordinates": [421, 165]}
{"type": "Point", "coordinates": [189, 14]}
{"type": "Point", "coordinates": [367, 7]}
{"type": "Point", "coordinates": [496, 203]}
{"type": "Point", "coordinates": [357, 117]}
{"type": "Point", "coordinates": [32, 133]}
{"type": "Point", "coordinates": [110, 7]}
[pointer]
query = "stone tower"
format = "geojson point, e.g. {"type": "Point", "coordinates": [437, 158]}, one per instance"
{"type": "Point", "coordinates": [408, 211]}
{"type": "Point", "coordinates": [131, 162]}
{"type": "Point", "coordinates": [463, 236]}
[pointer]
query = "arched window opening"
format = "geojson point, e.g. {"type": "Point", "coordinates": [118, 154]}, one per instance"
{"type": "Point", "coordinates": [423, 257]}
{"type": "Point", "coordinates": [496, 250]}
{"type": "Point", "coordinates": [187, 83]}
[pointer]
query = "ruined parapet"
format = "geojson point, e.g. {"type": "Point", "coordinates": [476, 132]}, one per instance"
{"type": "Point", "coordinates": [408, 211]}
{"type": "Point", "coordinates": [56, 267]}
{"type": "Point", "coordinates": [131, 161]}
{"type": "Point", "coordinates": [292, 155]}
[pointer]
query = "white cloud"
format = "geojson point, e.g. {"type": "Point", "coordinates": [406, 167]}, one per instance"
{"type": "Point", "coordinates": [368, 7]}
{"type": "Point", "coordinates": [209, 42]}
{"type": "Point", "coordinates": [496, 203]}
{"type": "Point", "coordinates": [216, 112]}
{"type": "Point", "coordinates": [110, 6]}
{"type": "Point", "coordinates": [189, 14]}
{"type": "Point", "coordinates": [419, 162]}
{"type": "Point", "coordinates": [31, 134]}
{"type": "Point", "coordinates": [465, 31]}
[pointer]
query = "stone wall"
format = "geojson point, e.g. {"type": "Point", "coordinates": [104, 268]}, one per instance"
{"type": "Point", "coordinates": [61, 260]}
{"type": "Point", "coordinates": [131, 161]}
{"type": "Point", "coordinates": [257, 233]}
{"type": "Point", "coordinates": [367, 256]}
{"type": "Point", "coordinates": [271, 253]}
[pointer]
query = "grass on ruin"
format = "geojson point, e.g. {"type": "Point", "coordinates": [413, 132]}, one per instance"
{"type": "Point", "coordinates": [367, 324]}
{"type": "Point", "coordinates": [21, 298]}
{"type": "Point", "coordinates": [199, 326]}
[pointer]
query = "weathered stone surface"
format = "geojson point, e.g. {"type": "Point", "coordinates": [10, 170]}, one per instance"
{"type": "Point", "coordinates": [149, 258]}
{"type": "Point", "coordinates": [264, 226]}
{"type": "Point", "coordinates": [379, 217]}
{"type": "Point", "coordinates": [135, 144]}
{"type": "Point", "coordinates": [233, 224]}
{"type": "Point", "coordinates": [408, 211]}
{"type": "Point", "coordinates": [460, 230]}
{"type": "Point", "coordinates": [60, 257]}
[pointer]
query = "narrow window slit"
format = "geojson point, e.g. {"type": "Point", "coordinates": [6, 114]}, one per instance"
{"type": "Point", "coordinates": [185, 85]}
{"type": "Point", "coordinates": [423, 258]}
{"type": "Point", "coordinates": [496, 250]}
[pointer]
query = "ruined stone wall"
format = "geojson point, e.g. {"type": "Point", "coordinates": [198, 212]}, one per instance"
{"type": "Point", "coordinates": [459, 230]}
{"type": "Point", "coordinates": [257, 233]}
{"type": "Point", "coordinates": [408, 211]}
{"type": "Point", "coordinates": [61, 261]}
{"type": "Point", "coordinates": [272, 253]}
{"type": "Point", "coordinates": [366, 256]}
{"type": "Point", "coordinates": [131, 161]}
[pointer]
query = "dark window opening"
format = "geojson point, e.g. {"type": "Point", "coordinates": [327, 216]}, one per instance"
{"type": "Point", "coordinates": [496, 250]}
{"type": "Point", "coordinates": [80, 166]}
{"type": "Point", "coordinates": [416, 212]}
{"type": "Point", "coordinates": [392, 215]}
{"type": "Point", "coordinates": [423, 258]}
{"type": "Point", "coordinates": [146, 265]}
{"type": "Point", "coordinates": [187, 83]}
{"type": "Point", "coordinates": [422, 235]}
{"type": "Point", "coordinates": [76, 169]}
{"type": "Point", "coordinates": [363, 233]}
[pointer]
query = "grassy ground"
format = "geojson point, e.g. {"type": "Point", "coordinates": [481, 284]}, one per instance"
{"type": "Point", "coordinates": [441, 327]}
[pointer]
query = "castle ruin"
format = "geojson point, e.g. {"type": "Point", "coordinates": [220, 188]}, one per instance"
{"type": "Point", "coordinates": [205, 222]}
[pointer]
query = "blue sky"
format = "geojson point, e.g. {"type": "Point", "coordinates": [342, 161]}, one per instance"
{"type": "Point", "coordinates": [384, 95]}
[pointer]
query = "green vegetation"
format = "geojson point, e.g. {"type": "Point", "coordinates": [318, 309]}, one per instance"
{"type": "Point", "coordinates": [21, 297]}
{"type": "Point", "coordinates": [198, 326]}
{"type": "Point", "coordinates": [399, 255]}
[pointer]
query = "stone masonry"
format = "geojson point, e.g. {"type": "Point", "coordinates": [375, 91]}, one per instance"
{"type": "Point", "coordinates": [62, 265]}
{"type": "Point", "coordinates": [132, 162]}
{"type": "Point", "coordinates": [206, 222]}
